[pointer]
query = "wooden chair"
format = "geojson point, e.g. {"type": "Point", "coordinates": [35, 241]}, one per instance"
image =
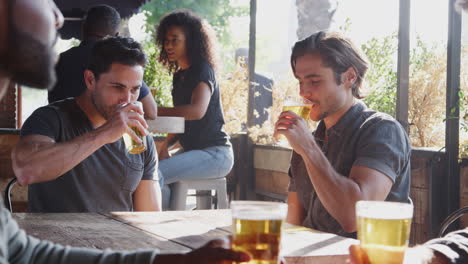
{"type": "Point", "coordinates": [452, 218]}
{"type": "Point", "coordinates": [203, 189]}
{"type": "Point", "coordinates": [7, 197]}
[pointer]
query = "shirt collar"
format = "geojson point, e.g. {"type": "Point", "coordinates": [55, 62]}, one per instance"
{"type": "Point", "coordinates": [345, 121]}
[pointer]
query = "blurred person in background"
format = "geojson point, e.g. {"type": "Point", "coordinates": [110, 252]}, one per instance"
{"type": "Point", "coordinates": [100, 21]}
{"type": "Point", "coordinates": [263, 87]}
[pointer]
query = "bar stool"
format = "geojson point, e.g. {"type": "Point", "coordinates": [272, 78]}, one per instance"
{"type": "Point", "coordinates": [203, 189]}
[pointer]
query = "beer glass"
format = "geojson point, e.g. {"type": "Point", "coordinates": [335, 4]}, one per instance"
{"type": "Point", "coordinates": [300, 107]}
{"type": "Point", "coordinates": [130, 144]}
{"type": "Point", "coordinates": [383, 230]}
{"type": "Point", "coordinates": [257, 229]}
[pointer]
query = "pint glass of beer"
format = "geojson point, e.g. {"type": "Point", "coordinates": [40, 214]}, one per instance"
{"type": "Point", "coordinates": [383, 230]}
{"type": "Point", "coordinates": [300, 107]}
{"type": "Point", "coordinates": [130, 144]}
{"type": "Point", "coordinates": [257, 229]}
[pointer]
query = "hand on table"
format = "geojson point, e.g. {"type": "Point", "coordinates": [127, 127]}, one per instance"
{"type": "Point", "coordinates": [357, 256]}
{"type": "Point", "coordinates": [413, 255]}
{"type": "Point", "coordinates": [213, 252]}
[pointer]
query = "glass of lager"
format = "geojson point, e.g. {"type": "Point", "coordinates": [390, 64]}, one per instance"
{"type": "Point", "coordinates": [383, 230]}
{"type": "Point", "coordinates": [257, 229]}
{"type": "Point", "coordinates": [130, 144]}
{"type": "Point", "coordinates": [301, 107]}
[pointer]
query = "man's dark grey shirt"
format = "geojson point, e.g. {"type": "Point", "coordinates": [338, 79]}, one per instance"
{"type": "Point", "coordinates": [362, 137]}
{"type": "Point", "coordinates": [104, 181]}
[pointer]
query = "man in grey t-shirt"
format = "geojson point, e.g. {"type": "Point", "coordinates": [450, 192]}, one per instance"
{"type": "Point", "coordinates": [72, 153]}
{"type": "Point", "coordinates": [354, 154]}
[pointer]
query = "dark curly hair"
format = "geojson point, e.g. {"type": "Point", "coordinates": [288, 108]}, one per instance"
{"type": "Point", "coordinates": [200, 39]}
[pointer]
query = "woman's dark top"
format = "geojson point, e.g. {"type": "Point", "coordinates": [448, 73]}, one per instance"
{"type": "Point", "coordinates": [208, 131]}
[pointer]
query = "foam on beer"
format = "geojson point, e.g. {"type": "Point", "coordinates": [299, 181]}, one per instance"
{"type": "Point", "coordinates": [290, 102]}
{"type": "Point", "coordinates": [384, 210]}
{"type": "Point", "coordinates": [258, 210]}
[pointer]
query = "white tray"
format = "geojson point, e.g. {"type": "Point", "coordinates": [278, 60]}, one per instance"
{"type": "Point", "coordinates": [166, 124]}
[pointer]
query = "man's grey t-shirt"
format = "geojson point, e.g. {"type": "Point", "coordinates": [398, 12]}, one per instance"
{"type": "Point", "coordinates": [362, 137]}
{"type": "Point", "coordinates": [103, 182]}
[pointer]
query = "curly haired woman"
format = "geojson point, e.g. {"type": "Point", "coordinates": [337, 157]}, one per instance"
{"type": "Point", "coordinates": [187, 44]}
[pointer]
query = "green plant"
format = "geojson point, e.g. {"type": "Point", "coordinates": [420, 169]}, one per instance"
{"type": "Point", "coordinates": [216, 12]}
{"type": "Point", "coordinates": [157, 76]}
{"type": "Point", "coordinates": [382, 76]}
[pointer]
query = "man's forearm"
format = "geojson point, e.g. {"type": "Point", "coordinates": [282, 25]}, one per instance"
{"type": "Point", "coordinates": [147, 196]}
{"type": "Point", "coordinates": [338, 194]}
{"type": "Point", "coordinates": [39, 161]}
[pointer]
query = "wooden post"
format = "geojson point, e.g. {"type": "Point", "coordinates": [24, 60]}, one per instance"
{"type": "Point", "coordinates": [250, 183]}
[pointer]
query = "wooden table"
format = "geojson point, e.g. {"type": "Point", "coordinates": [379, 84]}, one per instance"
{"type": "Point", "coordinates": [173, 232]}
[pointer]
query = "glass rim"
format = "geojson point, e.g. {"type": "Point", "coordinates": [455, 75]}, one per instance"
{"type": "Point", "coordinates": [384, 209]}
{"type": "Point", "coordinates": [296, 102]}
{"type": "Point", "coordinates": [251, 202]}
{"type": "Point", "coordinates": [259, 210]}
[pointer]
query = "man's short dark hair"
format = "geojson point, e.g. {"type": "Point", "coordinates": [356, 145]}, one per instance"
{"type": "Point", "coordinates": [122, 50]}
{"type": "Point", "coordinates": [100, 21]}
{"type": "Point", "coordinates": [337, 53]}
{"type": "Point", "coordinates": [241, 52]}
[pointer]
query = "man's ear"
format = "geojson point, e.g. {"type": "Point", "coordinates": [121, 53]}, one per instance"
{"type": "Point", "coordinates": [350, 77]}
{"type": "Point", "coordinates": [89, 79]}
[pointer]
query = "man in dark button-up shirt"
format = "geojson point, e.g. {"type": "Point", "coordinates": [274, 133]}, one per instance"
{"type": "Point", "coordinates": [354, 154]}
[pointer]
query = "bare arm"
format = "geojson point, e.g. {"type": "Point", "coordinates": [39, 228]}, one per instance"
{"type": "Point", "coordinates": [296, 212]}
{"type": "Point", "coordinates": [363, 184]}
{"type": "Point", "coordinates": [147, 196]}
{"type": "Point", "coordinates": [149, 107]}
{"type": "Point", "coordinates": [196, 109]}
{"type": "Point", "coordinates": [38, 158]}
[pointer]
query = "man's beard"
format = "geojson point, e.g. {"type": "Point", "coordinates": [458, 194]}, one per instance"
{"type": "Point", "coordinates": [28, 61]}
{"type": "Point", "coordinates": [100, 107]}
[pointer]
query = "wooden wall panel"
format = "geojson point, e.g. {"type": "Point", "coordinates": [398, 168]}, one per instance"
{"type": "Point", "coordinates": [464, 193]}
{"type": "Point", "coordinates": [271, 181]}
